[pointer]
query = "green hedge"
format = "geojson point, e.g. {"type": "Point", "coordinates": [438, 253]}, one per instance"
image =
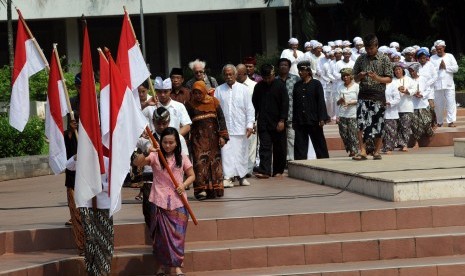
{"type": "Point", "coordinates": [29, 142]}
{"type": "Point", "coordinates": [459, 77]}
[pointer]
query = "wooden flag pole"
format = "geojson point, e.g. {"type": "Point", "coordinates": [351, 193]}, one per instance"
{"type": "Point", "coordinates": [63, 80]}
{"type": "Point", "coordinates": [168, 169]}
{"type": "Point", "coordinates": [33, 39]}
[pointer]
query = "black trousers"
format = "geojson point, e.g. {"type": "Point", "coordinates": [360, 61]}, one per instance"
{"type": "Point", "coordinates": [272, 150]}
{"type": "Point", "coordinates": [301, 141]}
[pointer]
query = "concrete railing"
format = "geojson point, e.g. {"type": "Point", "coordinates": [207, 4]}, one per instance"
{"type": "Point", "coordinates": [23, 167]}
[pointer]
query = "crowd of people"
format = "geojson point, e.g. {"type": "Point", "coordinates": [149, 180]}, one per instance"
{"type": "Point", "coordinates": [381, 98]}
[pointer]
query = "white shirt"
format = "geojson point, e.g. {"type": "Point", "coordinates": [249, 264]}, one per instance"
{"type": "Point", "coordinates": [324, 73]}
{"type": "Point", "coordinates": [429, 75]}
{"type": "Point", "coordinates": [250, 85]}
{"type": "Point", "coordinates": [316, 60]}
{"type": "Point", "coordinates": [103, 198]}
{"type": "Point", "coordinates": [421, 85]}
{"type": "Point", "coordinates": [393, 98]}
{"type": "Point", "coordinates": [178, 114]}
{"type": "Point", "coordinates": [341, 64]}
{"type": "Point", "coordinates": [289, 54]}
{"type": "Point", "coordinates": [445, 77]}
{"type": "Point", "coordinates": [237, 106]}
{"type": "Point", "coordinates": [350, 94]}
{"type": "Point", "coordinates": [406, 102]}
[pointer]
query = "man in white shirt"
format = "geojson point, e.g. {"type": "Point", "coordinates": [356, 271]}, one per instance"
{"type": "Point", "coordinates": [239, 113]}
{"type": "Point", "coordinates": [444, 87]}
{"type": "Point", "coordinates": [179, 119]}
{"type": "Point", "coordinates": [293, 54]}
{"type": "Point", "coordinates": [243, 78]}
{"type": "Point", "coordinates": [358, 44]}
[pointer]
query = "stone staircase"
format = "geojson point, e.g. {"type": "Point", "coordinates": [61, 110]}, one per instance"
{"type": "Point", "coordinates": [417, 240]}
{"type": "Point", "coordinates": [444, 136]}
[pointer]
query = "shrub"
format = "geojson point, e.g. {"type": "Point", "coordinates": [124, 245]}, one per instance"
{"type": "Point", "coordinates": [264, 59]}
{"type": "Point", "coordinates": [459, 77]}
{"type": "Point", "coordinates": [38, 83]}
{"type": "Point", "coordinates": [29, 142]}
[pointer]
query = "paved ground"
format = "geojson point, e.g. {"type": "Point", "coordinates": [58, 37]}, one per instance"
{"type": "Point", "coordinates": [41, 202]}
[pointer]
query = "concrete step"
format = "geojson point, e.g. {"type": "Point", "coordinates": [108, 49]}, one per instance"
{"type": "Point", "coordinates": [259, 227]}
{"type": "Point", "coordinates": [444, 136]}
{"type": "Point", "coordinates": [267, 252]}
{"type": "Point", "coordinates": [350, 221]}
{"type": "Point", "coordinates": [433, 266]}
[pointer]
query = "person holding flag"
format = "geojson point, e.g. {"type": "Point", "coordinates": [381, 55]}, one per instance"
{"type": "Point", "coordinates": [169, 216]}
{"type": "Point", "coordinates": [91, 188]}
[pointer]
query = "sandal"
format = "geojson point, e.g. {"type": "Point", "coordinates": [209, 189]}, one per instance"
{"type": "Point", "coordinates": [377, 157]}
{"type": "Point", "coordinates": [359, 157]}
{"type": "Point", "coordinates": [261, 176]}
{"type": "Point", "coordinates": [138, 198]}
{"type": "Point", "coordinates": [451, 125]}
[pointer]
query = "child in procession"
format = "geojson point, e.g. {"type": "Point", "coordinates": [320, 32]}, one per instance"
{"type": "Point", "coordinates": [169, 216]}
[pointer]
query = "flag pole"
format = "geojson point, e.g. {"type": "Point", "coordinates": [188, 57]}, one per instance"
{"type": "Point", "coordinates": [63, 80]}
{"type": "Point", "coordinates": [33, 39]}
{"type": "Point", "coordinates": [168, 169]}
{"type": "Point", "coordinates": [152, 90]}
{"type": "Point", "coordinates": [102, 54]}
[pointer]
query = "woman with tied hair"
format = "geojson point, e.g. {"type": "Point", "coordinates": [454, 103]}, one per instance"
{"type": "Point", "coordinates": [208, 135]}
{"type": "Point", "coordinates": [347, 95]}
{"type": "Point", "coordinates": [406, 87]}
{"type": "Point", "coordinates": [198, 68]}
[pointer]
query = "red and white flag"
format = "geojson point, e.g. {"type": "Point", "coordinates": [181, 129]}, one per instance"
{"type": "Point", "coordinates": [130, 59]}
{"type": "Point", "coordinates": [55, 111]}
{"type": "Point", "coordinates": [89, 165]}
{"type": "Point", "coordinates": [126, 125]}
{"type": "Point", "coordinates": [28, 61]}
{"type": "Point", "coordinates": [104, 99]}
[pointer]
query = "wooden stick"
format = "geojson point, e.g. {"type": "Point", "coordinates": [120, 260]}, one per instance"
{"type": "Point", "coordinates": [63, 80]}
{"type": "Point", "coordinates": [33, 40]}
{"type": "Point", "coordinates": [163, 161]}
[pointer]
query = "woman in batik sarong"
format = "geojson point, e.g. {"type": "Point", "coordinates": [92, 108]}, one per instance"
{"type": "Point", "coordinates": [391, 118]}
{"type": "Point", "coordinates": [406, 87]}
{"type": "Point", "coordinates": [98, 227]}
{"type": "Point", "coordinates": [208, 135]}
{"type": "Point", "coordinates": [169, 216]}
{"type": "Point", "coordinates": [422, 116]}
{"type": "Point", "coordinates": [347, 95]}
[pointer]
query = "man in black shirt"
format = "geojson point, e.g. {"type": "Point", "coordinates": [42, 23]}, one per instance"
{"type": "Point", "coordinates": [309, 114]}
{"type": "Point", "coordinates": [271, 103]}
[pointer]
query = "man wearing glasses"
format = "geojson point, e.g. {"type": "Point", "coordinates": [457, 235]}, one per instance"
{"type": "Point", "coordinates": [198, 68]}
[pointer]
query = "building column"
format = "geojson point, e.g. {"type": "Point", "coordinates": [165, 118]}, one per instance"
{"type": "Point", "coordinates": [72, 42]}
{"type": "Point", "coordinates": [269, 23]}
{"type": "Point", "coordinates": [173, 57]}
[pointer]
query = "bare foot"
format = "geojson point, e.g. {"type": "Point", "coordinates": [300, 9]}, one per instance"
{"type": "Point", "coordinates": [416, 146]}
{"type": "Point", "coordinates": [389, 152]}
{"type": "Point", "coordinates": [404, 149]}
{"type": "Point", "coordinates": [278, 175]}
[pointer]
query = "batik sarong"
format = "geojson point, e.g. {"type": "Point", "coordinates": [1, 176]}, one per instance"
{"type": "Point", "coordinates": [404, 132]}
{"type": "Point", "coordinates": [422, 123]}
{"type": "Point", "coordinates": [78, 231]}
{"type": "Point", "coordinates": [370, 118]}
{"type": "Point", "coordinates": [390, 134]}
{"type": "Point", "coordinates": [348, 132]}
{"type": "Point", "coordinates": [99, 233]}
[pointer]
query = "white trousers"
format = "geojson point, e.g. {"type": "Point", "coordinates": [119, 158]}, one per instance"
{"type": "Point", "coordinates": [252, 152]}
{"type": "Point", "coordinates": [234, 156]}
{"type": "Point", "coordinates": [444, 99]}
{"type": "Point", "coordinates": [290, 143]}
{"type": "Point", "coordinates": [330, 103]}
